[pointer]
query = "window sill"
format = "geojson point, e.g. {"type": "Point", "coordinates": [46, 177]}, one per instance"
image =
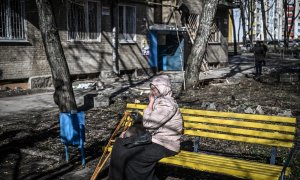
{"type": "Point", "coordinates": [83, 41]}
{"type": "Point", "coordinates": [13, 41]}
{"type": "Point", "coordinates": [123, 41]}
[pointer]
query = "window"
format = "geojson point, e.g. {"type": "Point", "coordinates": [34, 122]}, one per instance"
{"type": "Point", "coordinates": [127, 23]}
{"type": "Point", "coordinates": [215, 36]}
{"type": "Point", "coordinates": [12, 21]}
{"type": "Point", "coordinates": [84, 20]}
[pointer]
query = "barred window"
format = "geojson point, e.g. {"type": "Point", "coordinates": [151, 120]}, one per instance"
{"type": "Point", "coordinates": [12, 21]}
{"type": "Point", "coordinates": [215, 36]}
{"type": "Point", "coordinates": [127, 23]}
{"type": "Point", "coordinates": [84, 20]}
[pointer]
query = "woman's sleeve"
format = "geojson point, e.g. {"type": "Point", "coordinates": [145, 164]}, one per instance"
{"type": "Point", "coordinates": [161, 113]}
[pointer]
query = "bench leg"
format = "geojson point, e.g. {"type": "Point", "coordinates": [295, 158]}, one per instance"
{"type": "Point", "coordinates": [67, 154]}
{"type": "Point", "coordinates": [196, 144]}
{"type": "Point", "coordinates": [82, 155]}
{"type": "Point", "coordinates": [273, 155]}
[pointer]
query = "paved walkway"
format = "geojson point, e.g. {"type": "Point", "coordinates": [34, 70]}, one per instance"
{"type": "Point", "coordinates": [239, 66]}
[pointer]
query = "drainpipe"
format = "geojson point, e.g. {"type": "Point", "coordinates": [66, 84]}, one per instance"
{"type": "Point", "coordinates": [115, 51]}
{"type": "Point", "coordinates": [115, 40]}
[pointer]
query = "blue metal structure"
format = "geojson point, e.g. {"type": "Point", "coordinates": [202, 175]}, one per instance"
{"type": "Point", "coordinates": [153, 49]}
{"type": "Point", "coordinates": [173, 61]}
{"type": "Point", "coordinates": [167, 55]}
{"type": "Point", "coordinates": [72, 132]}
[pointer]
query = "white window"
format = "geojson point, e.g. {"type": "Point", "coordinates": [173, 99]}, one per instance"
{"type": "Point", "coordinates": [127, 23]}
{"type": "Point", "coordinates": [12, 21]}
{"type": "Point", "coordinates": [84, 20]}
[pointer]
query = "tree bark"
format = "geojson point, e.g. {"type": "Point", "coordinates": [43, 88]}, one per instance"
{"type": "Point", "coordinates": [243, 21]}
{"type": "Point", "coordinates": [63, 95]}
{"type": "Point", "coordinates": [234, 32]}
{"type": "Point", "coordinates": [263, 15]}
{"type": "Point", "coordinates": [198, 50]}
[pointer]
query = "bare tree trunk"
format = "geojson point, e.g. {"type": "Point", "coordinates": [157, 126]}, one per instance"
{"type": "Point", "coordinates": [198, 50]}
{"type": "Point", "coordinates": [263, 14]}
{"type": "Point", "coordinates": [63, 95]}
{"type": "Point", "coordinates": [285, 32]}
{"type": "Point", "coordinates": [251, 20]}
{"type": "Point", "coordinates": [234, 32]}
{"type": "Point", "coordinates": [243, 21]}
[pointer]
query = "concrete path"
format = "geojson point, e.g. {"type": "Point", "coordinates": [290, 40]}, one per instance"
{"type": "Point", "coordinates": [34, 102]}
{"type": "Point", "coordinates": [22, 104]}
{"type": "Point", "coordinates": [239, 66]}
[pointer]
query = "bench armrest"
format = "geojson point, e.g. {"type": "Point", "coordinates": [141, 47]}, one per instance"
{"type": "Point", "coordinates": [286, 163]}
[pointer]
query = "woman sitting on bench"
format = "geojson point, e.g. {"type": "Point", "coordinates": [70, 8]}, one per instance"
{"type": "Point", "coordinates": [163, 120]}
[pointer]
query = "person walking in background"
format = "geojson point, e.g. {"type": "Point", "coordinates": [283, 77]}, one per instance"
{"type": "Point", "coordinates": [265, 53]}
{"type": "Point", "coordinates": [259, 54]}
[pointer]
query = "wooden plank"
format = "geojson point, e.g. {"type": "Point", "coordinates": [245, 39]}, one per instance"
{"type": "Point", "coordinates": [239, 116]}
{"type": "Point", "coordinates": [230, 162]}
{"type": "Point", "coordinates": [229, 166]}
{"type": "Point", "coordinates": [239, 131]}
{"type": "Point", "coordinates": [262, 126]}
{"type": "Point", "coordinates": [254, 117]}
{"type": "Point", "coordinates": [256, 125]}
{"type": "Point", "coordinates": [269, 142]}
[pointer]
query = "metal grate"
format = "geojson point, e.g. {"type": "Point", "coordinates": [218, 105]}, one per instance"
{"type": "Point", "coordinates": [215, 36]}
{"type": "Point", "coordinates": [84, 21]}
{"type": "Point", "coordinates": [127, 23]}
{"type": "Point", "coordinates": [12, 26]}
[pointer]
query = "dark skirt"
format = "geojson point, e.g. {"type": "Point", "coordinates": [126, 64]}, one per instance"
{"type": "Point", "coordinates": [137, 163]}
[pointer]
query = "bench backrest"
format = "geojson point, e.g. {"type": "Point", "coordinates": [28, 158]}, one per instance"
{"type": "Point", "coordinates": [274, 131]}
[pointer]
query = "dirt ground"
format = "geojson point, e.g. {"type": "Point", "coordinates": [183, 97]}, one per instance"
{"type": "Point", "coordinates": [30, 146]}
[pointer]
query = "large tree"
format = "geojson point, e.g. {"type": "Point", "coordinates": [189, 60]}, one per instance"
{"type": "Point", "coordinates": [242, 8]}
{"type": "Point", "coordinates": [198, 50]}
{"type": "Point", "coordinates": [63, 95]}
{"type": "Point", "coordinates": [263, 16]}
{"type": "Point", "coordinates": [234, 31]}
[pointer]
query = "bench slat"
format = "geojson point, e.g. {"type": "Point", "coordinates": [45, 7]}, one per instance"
{"type": "Point", "coordinates": [257, 133]}
{"type": "Point", "coordinates": [269, 142]}
{"type": "Point", "coordinates": [217, 164]}
{"type": "Point", "coordinates": [231, 162]}
{"type": "Point", "coordinates": [273, 127]}
{"type": "Point", "coordinates": [255, 117]}
{"type": "Point", "coordinates": [222, 162]}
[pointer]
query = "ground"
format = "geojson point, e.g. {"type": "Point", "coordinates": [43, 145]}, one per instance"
{"type": "Point", "coordinates": [29, 124]}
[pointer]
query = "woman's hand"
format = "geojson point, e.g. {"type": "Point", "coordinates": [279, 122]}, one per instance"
{"type": "Point", "coordinates": [122, 134]}
{"type": "Point", "coordinates": [151, 97]}
{"type": "Point", "coordinates": [151, 100]}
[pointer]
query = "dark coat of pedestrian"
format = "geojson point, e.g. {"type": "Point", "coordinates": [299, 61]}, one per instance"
{"type": "Point", "coordinates": [259, 54]}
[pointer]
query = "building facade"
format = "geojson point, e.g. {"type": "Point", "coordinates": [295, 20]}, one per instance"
{"type": "Point", "coordinates": [96, 36]}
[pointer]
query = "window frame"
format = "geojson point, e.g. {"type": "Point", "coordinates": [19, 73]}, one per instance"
{"type": "Point", "coordinates": [86, 21]}
{"type": "Point", "coordinates": [124, 40]}
{"type": "Point", "coordinates": [215, 34]}
{"type": "Point", "coordinates": [9, 27]}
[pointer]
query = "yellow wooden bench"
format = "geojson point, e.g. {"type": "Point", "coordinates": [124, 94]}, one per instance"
{"type": "Point", "coordinates": [272, 131]}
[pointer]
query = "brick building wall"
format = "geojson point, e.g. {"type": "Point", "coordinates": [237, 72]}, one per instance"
{"type": "Point", "coordinates": [21, 60]}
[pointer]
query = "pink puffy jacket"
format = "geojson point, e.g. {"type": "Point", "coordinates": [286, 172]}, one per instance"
{"type": "Point", "coordinates": [164, 120]}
